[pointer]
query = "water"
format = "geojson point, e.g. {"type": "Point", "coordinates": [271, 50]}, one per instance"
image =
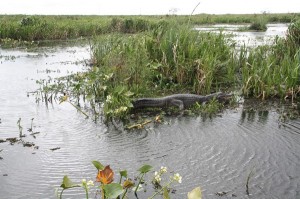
{"type": "Point", "coordinates": [250, 39]}
{"type": "Point", "coordinates": [217, 154]}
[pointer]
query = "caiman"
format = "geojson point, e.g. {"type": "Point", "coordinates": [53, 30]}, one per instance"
{"type": "Point", "coordinates": [182, 101]}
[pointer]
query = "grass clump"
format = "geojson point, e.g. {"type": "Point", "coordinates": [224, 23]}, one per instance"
{"type": "Point", "coordinates": [171, 58]}
{"type": "Point", "coordinates": [273, 70]}
{"type": "Point", "coordinates": [167, 59]}
{"type": "Point", "coordinates": [259, 24]}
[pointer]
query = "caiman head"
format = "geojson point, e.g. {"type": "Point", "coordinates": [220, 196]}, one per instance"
{"type": "Point", "coordinates": [224, 97]}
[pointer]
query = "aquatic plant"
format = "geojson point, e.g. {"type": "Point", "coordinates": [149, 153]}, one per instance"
{"type": "Point", "coordinates": [119, 190]}
{"type": "Point", "coordinates": [259, 24]}
{"type": "Point", "coordinates": [167, 59]}
{"type": "Point", "coordinates": [37, 27]}
{"type": "Point", "coordinates": [272, 70]}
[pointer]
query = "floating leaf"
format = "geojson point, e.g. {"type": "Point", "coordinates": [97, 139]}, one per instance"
{"type": "Point", "coordinates": [67, 183]}
{"type": "Point", "coordinates": [195, 193]}
{"type": "Point", "coordinates": [98, 165]}
{"type": "Point", "coordinates": [113, 190]}
{"type": "Point", "coordinates": [145, 168]}
{"type": "Point", "coordinates": [105, 176]}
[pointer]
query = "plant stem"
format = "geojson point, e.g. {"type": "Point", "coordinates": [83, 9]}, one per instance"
{"type": "Point", "coordinates": [124, 194]}
{"type": "Point", "coordinates": [167, 185]}
{"type": "Point", "coordinates": [139, 183]}
{"type": "Point", "coordinates": [86, 193]}
{"type": "Point", "coordinates": [60, 196]}
{"type": "Point", "coordinates": [102, 191]}
{"type": "Point", "coordinates": [78, 109]}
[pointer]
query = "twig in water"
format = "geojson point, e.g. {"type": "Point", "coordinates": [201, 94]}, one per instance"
{"type": "Point", "coordinates": [20, 127]}
{"type": "Point", "coordinates": [247, 183]}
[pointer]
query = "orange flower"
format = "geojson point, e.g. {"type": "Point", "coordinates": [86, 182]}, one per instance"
{"type": "Point", "coordinates": [105, 176]}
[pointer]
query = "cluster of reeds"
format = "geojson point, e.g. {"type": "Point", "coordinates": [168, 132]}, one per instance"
{"type": "Point", "coordinates": [259, 24]}
{"type": "Point", "coordinates": [33, 28]}
{"type": "Point", "coordinates": [171, 58]}
{"type": "Point", "coordinates": [274, 70]}
{"type": "Point", "coordinates": [167, 59]}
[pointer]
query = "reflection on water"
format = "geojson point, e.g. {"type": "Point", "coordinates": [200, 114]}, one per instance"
{"type": "Point", "coordinates": [215, 153]}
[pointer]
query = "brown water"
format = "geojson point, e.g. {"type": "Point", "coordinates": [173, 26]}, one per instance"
{"type": "Point", "coordinates": [217, 154]}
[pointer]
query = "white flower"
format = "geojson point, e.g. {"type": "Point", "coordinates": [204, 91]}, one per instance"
{"type": "Point", "coordinates": [90, 183]}
{"type": "Point", "coordinates": [83, 181]}
{"type": "Point", "coordinates": [123, 108]}
{"type": "Point", "coordinates": [163, 169]}
{"type": "Point", "coordinates": [177, 177]}
{"type": "Point", "coordinates": [108, 99]}
{"type": "Point", "coordinates": [157, 178]}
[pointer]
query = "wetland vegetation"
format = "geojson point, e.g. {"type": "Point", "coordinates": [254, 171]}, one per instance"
{"type": "Point", "coordinates": [174, 58]}
{"type": "Point", "coordinates": [135, 57]}
{"type": "Point", "coordinates": [36, 28]}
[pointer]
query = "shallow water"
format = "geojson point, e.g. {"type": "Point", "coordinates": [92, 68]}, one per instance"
{"type": "Point", "coordinates": [250, 39]}
{"type": "Point", "coordinates": [217, 154]}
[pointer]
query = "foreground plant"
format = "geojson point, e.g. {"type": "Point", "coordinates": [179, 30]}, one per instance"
{"type": "Point", "coordinates": [118, 190]}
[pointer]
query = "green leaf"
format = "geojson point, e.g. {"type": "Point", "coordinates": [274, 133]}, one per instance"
{"type": "Point", "coordinates": [195, 193]}
{"type": "Point", "coordinates": [113, 190]}
{"type": "Point", "coordinates": [98, 165]}
{"type": "Point", "coordinates": [123, 173]}
{"type": "Point", "coordinates": [129, 105]}
{"type": "Point", "coordinates": [166, 193]}
{"type": "Point", "coordinates": [145, 168]}
{"type": "Point", "coordinates": [129, 93]}
{"type": "Point", "coordinates": [67, 183]}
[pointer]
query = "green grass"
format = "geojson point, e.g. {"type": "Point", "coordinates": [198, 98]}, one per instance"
{"type": "Point", "coordinates": [274, 70]}
{"type": "Point", "coordinates": [174, 58]}
{"type": "Point", "coordinates": [36, 28]}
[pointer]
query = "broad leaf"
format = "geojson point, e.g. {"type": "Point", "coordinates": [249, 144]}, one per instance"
{"type": "Point", "coordinates": [67, 183]}
{"type": "Point", "coordinates": [123, 173]}
{"type": "Point", "coordinates": [129, 105]}
{"type": "Point", "coordinates": [166, 193]}
{"type": "Point", "coordinates": [145, 168]}
{"type": "Point", "coordinates": [98, 165]}
{"type": "Point", "coordinates": [113, 190]}
{"type": "Point", "coordinates": [195, 193]}
{"type": "Point", "coordinates": [105, 176]}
